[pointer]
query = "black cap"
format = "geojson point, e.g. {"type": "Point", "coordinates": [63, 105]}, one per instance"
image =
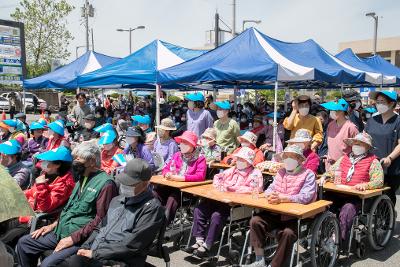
{"type": "Point", "coordinates": [136, 170]}
{"type": "Point", "coordinates": [20, 115]}
{"type": "Point", "coordinates": [90, 117]}
{"type": "Point", "coordinates": [351, 95]}
{"type": "Point", "coordinates": [134, 132]}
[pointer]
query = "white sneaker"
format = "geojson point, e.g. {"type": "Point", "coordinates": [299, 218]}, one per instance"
{"type": "Point", "coordinates": [260, 263]}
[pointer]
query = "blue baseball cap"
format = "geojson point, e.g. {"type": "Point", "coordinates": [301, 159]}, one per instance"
{"type": "Point", "coordinates": [57, 127]}
{"type": "Point", "coordinates": [61, 153]}
{"type": "Point", "coordinates": [104, 128]}
{"type": "Point", "coordinates": [271, 115]}
{"type": "Point", "coordinates": [107, 138]}
{"type": "Point", "coordinates": [142, 119]}
{"type": "Point", "coordinates": [340, 105]}
{"type": "Point", "coordinates": [223, 105]}
{"type": "Point", "coordinates": [36, 126]}
{"type": "Point", "coordinates": [392, 95]}
{"type": "Point", "coordinates": [195, 97]}
{"type": "Point", "coordinates": [11, 147]}
{"type": "Point", "coordinates": [370, 110]}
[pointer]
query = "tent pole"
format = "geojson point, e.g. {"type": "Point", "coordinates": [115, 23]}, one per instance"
{"type": "Point", "coordinates": [275, 117]}
{"type": "Point", "coordinates": [235, 97]}
{"type": "Point", "coordinates": [78, 90]}
{"type": "Point", "coordinates": [24, 103]}
{"type": "Point", "coordinates": [158, 88]}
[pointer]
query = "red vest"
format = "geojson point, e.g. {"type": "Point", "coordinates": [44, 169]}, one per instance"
{"type": "Point", "coordinates": [361, 170]}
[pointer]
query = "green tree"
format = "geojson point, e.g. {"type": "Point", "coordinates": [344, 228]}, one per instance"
{"type": "Point", "coordinates": [46, 33]}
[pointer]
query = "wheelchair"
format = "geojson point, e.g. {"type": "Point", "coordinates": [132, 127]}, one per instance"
{"type": "Point", "coordinates": [374, 222]}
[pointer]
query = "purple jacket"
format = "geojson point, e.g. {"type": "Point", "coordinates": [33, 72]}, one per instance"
{"type": "Point", "coordinates": [34, 146]}
{"type": "Point", "coordinates": [141, 152]}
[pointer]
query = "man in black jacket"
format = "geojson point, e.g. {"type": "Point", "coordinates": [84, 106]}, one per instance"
{"type": "Point", "coordinates": [133, 220]}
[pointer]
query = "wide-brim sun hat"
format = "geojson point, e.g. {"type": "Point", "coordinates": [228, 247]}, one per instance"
{"type": "Point", "coordinates": [291, 151]}
{"type": "Point", "coordinates": [188, 137]}
{"type": "Point", "coordinates": [210, 133]}
{"type": "Point", "coordinates": [351, 95]}
{"type": "Point", "coordinates": [134, 132]}
{"type": "Point", "coordinates": [340, 105]}
{"type": "Point", "coordinates": [247, 154]}
{"type": "Point", "coordinates": [61, 153]}
{"type": "Point", "coordinates": [167, 124]}
{"type": "Point", "coordinates": [370, 110]}
{"type": "Point", "coordinates": [11, 147]}
{"type": "Point", "coordinates": [359, 138]}
{"type": "Point", "coordinates": [142, 119]}
{"type": "Point", "coordinates": [271, 115]}
{"type": "Point", "coordinates": [225, 105]}
{"type": "Point", "coordinates": [36, 126]}
{"type": "Point", "coordinates": [57, 127]}
{"type": "Point", "coordinates": [249, 137]}
{"type": "Point", "coordinates": [301, 136]}
{"type": "Point", "coordinates": [195, 97]}
{"type": "Point", "coordinates": [104, 128]}
{"type": "Point", "coordinates": [107, 138]}
{"type": "Point", "coordinates": [11, 123]}
{"type": "Point", "coordinates": [392, 95]}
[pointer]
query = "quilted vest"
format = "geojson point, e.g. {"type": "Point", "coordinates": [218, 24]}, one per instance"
{"type": "Point", "coordinates": [81, 209]}
{"type": "Point", "coordinates": [361, 170]}
{"type": "Point", "coordinates": [290, 184]}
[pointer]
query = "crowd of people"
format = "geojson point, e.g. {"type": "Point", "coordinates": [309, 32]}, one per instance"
{"type": "Point", "coordinates": [91, 166]}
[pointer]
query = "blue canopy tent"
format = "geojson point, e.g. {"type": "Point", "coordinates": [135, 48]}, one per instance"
{"type": "Point", "coordinates": [253, 58]}
{"type": "Point", "coordinates": [372, 64]}
{"type": "Point", "coordinates": [140, 69]}
{"type": "Point", "coordinates": [376, 62]}
{"type": "Point", "coordinates": [65, 77]}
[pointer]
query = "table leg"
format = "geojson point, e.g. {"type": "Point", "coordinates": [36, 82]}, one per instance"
{"type": "Point", "coordinates": [298, 241]}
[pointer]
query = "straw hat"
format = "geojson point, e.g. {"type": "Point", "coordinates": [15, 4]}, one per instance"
{"type": "Point", "coordinates": [167, 124]}
{"type": "Point", "coordinates": [359, 138]}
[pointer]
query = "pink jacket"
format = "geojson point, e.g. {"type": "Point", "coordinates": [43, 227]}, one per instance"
{"type": "Point", "coordinates": [238, 181]}
{"type": "Point", "coordinates": [312, 160]}
{"type": "Point", "coordinates": [196, 170]}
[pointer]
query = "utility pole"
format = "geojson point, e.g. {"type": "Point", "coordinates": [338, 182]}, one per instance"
{"type": "Point", "coordinates": [233, 18]}
{"type": "Point", "coordinates": [87, 11]}
{"type": "Point", "coordinates": [375, 17]}
{"type": "Point", "coordinates": [92, 39]}
{"type": "Point", "coordinates": [216, 30]}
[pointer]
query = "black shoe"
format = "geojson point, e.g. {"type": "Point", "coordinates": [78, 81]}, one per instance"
{"type": "Point", "coordinates": [201, 253]}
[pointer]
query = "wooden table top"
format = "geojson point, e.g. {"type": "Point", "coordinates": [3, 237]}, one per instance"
{"type": "Point", "coordinates": [219, 165]}
{"type": "Point", "coordinates": [291, 209]}
{"type": "Point", "coordinates": [329, 186]}
{"type": "Point", "coordinates": [159, 179]}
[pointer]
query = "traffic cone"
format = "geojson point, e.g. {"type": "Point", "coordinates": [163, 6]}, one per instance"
{"type": "Point", "coordinates": [3, 115]}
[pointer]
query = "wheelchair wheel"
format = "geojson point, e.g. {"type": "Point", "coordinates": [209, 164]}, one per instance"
{"type": "Point", "coordinates": [381, 222]}
{"type": "Point", "coordinates": [325, 240]}
{"type": "Point", "coordinates": [270, 247]}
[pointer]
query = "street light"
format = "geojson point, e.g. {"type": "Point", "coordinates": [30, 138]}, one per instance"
{"type": "Point", "coordinates": [248, 21]}
{"type": "Point", "coordinates": [130, 30]}
{"type": "Point", "coordinates": [375, 17]}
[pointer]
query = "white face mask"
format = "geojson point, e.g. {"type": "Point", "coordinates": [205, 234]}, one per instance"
{"type": "Point", "coordinates": [271, 122]}
{"type": "Point", "coordinates": [220, 113]}
{"type": "Point", "coordinates": [382, 108]}
{"type": "Point", "coordinates": [368, 115]}
{"type": "Point", "coordinates": [11, 129]}
{"type": "Point", "coordinates": [241, 165]}
{"type": "Point", "coordinates": [358, 150]}
{"type": "Point", "coordinates": [131, 140]}
{"type": "Point", "coordinates": [245, 144]}
{"type": "Point", "coordinates": [301, 145]}
{"type": "Point", "coordinates": [191, 105]}
{"type": "Point", "coordinates": [290, 164]}
{"type": "Point", "coordinates": [184, 148]}
{"type": "Point", "coordinates": [108, 146]}
{"type": "Point", "coordinates": [88, 125]}
{"type": "Point", "coordinates": [50, 133]}
{"type": "Point", "coordinates": [333, 115]}
{"type": "Point", "coordinates": [304, 111]}
{"type": "Point", "coordinates": [358, 105]}
{"type": "Point", "coordinates": [126, 190]}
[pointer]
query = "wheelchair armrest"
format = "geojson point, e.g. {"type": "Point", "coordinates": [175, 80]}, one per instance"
{"type": "Point", "coordinates": [43, 215]}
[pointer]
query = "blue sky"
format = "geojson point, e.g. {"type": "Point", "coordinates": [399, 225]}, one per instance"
{"type": "Point", "coordinates": [185, 22]}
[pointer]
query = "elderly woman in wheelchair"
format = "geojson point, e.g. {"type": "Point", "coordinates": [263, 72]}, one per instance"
{"type": "Point", "coordinates": [294, 183]}
{"type": "Point", "coordinates": [358, 170]}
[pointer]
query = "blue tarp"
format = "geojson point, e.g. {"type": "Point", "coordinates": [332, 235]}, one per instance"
{"type": "Point", "coordinates": [65, 77]}
{"type": "Point", "coordinates": [140, 68]}
{"type": "Point", "coordinates": [253, 58]}
{"type": "Point", "coordinates": [372, 64]}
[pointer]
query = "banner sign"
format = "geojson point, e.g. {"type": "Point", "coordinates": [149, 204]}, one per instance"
{"type": "Point", "coordinates": [12, 52]}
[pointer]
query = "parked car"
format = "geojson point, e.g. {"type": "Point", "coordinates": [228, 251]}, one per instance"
{"type": "Point", "coordinates": [4, 104]}
{"type": "Point", "coordinates": [28, 100]}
